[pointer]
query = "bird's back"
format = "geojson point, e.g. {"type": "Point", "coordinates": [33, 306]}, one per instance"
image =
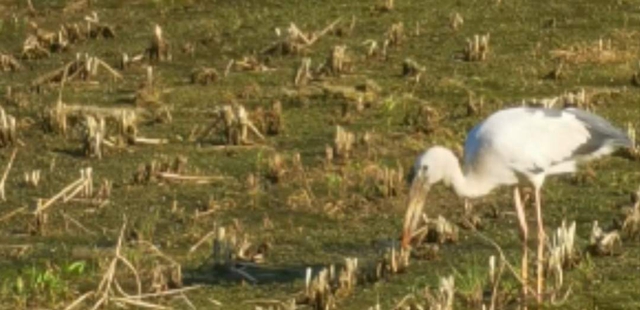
{"type": "Point", "coordinates": [532, 141]}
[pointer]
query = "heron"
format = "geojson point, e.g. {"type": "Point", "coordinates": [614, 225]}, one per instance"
{"type": "Point", "coordinates": [512, 145]}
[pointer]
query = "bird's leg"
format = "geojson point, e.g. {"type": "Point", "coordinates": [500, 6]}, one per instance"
{"type": "Point", "coordinates": [525, 234]}
{"type": "Point", "coordinates": [541, 240]}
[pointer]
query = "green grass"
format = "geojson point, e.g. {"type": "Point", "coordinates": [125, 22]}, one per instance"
{"type": "Point", "coordinates": [307, 235]}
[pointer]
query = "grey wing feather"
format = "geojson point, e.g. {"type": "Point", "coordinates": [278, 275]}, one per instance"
{"type": "Point", "coordinates": [601, 133]}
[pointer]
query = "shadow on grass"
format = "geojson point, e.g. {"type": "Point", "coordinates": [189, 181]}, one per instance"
{"type": "Point", "coordinates": [210, 274]}
{"type": "Point", "coordinates": [76, 153]}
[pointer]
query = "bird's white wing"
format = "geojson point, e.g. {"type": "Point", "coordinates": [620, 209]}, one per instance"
{"type": "Point", "coordinates": [530, 140]}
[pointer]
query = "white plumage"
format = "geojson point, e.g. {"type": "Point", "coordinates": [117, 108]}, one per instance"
{"type": "Point", "coordinates": [531, 142]}
{"type": "Point", "coordinates": [513, 143]}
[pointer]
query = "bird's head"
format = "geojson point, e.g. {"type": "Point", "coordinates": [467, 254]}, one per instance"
{"type": "Point", "coordinates": [432, 166]}
{"type": "Point", "coordinates": [429, 168]}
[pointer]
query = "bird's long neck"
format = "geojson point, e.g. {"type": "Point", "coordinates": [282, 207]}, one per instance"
{"type": "Point", "coordinates": [468, 184]}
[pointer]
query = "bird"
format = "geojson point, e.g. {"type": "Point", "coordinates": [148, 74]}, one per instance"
{"type": "Point", "coordinates": [513, 145]}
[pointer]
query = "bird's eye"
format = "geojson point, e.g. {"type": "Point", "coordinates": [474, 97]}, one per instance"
{"type": "Point", "coordinates": [425, 168]}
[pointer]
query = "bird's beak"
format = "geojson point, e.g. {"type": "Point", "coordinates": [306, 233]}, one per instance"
{"type": "Point", "coordinates": [417, 197]}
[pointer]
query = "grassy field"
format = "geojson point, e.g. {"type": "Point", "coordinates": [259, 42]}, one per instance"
{"type": "Point", "coordinates": [331, 211]}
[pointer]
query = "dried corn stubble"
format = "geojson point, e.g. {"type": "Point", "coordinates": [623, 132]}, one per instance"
{"type": "Point", "coordinates": [369, 88]}
{"type": "Point", "coordinates": [383, 181]}
{"type": "Point", "coordinates": [9, 63]}
{"type": "Point", "coordinates": [362, 95]}
{"type": "Point", "coordinates": [127, 125]}
{"type": "Point", "coordinates": [456, 21]}
{"type": "Point", "coordinates": [61, 116]}
{"type": "Point", "coordinates": [84, 68]}
{"type": "Point", "coordinates": [93, 136]}
{"type": "Point", "coordinates": [367, 140]}
{"type": "Point", "coordinates": [155, 169]}
{"type": "Point", "coordinates": [303, 73]}
{"type": "Point", "coordinates": [471, 219]}
{"type": "Point", "coordinates": [395, 35]}
{"type": "Point", "coordinates": [32, 48]}
{"type": "Point", "coordinates": [92, 28]}
{"type": "Point", "coordinates": [127, 61]}
{"type": "Point", "coordinates": [344, 30]}
{"type": "Point", "coordinates": [565, 240]}
{"type": "Point", "coordinates": [165, 277]}
{"type": "Point", "coordinates": [423, 118]}
{"type": "Point", "coordinates": [251, 63]}
{"type": "Point", "coordinates": [318, 293]}
{"type": "Point", "coordinates": [438, 230]}
{"type": "Point", "coordinates": [104, 191]}
{"type": "Point", "coordinates": [347, 278]}
{"type": "Point", "coordinates": [270, 121]}
{"type": "Point", "coordinates": [580, 98]}
{"type": "Point", "coordinates": [385, 6]}
{"type": "Point", "coordinates": [373, 48]}
{"type": "Point", "coordinates": [232, 247]}
{"type": "Point", "coordinates": [274, 119]}
{"type": "Point", "coordinates": [441, 230]}
{"type": "Point", "coordinates": [293, 43]}
{"type": "Point", "coordinates": [7, 129]}
{"type": "Point", "coordinates": [38, 224]}
{"type": "Point", "coordinates": [300, 199]}
{"type": "Point", "coordinates": [343, 143]}
{"type": "Point", "coordinates": [330, 284]}
{"type": "Point", "coordinates": [148, 98]}
{"type": "Point", "coordinates": [604, 243]}
{"type": "Point", "coordinates": [557, 73]}
{"type": "Point", "coordinates": [204, 76]}
{"type": "Point", "coordinates": [475, 105]}
{"type": "Point", "coordinates": [276, 169]}
{"type": "Point", "coordinates": [32, 178]}
{"type": "Point", "coordinates": [561, 253]}
{"type": "Point", "coordinates": [233, 124]}
{"type": "Point", "coordinates": [296, 41]}
{"type": "Point", "coordinates": [80, 188]}
{"type": "Point", "coordinates": [322, 291]}
{"type": "Point", "coordinates": [410, 68]}
{"type": "Point", "coordinates": [631, 225]}
{"type": "Point", "coordinates": [635, 79]}
{"type": "Point", "coordinates": [165, 273]}
{"type": "Point", "coordinates": [634, 150]}
{"type": "Point", "coordinates": [477, 48]}
{"type": "Point", "coordinates": [499, 297]}
{"type": "Point", "coordinates": [338, 62]}
{"type": "Point", "coordinates": [443, 297]}
{"type": "Point", "coordinates": [73, 32]}
{"type": "Point", "coordinates": [15, 97]}
{"type": "Point", "coordinates": [159, 279]}
{"type": "Point", "coordinates": [328, 155]}
{"type": "Point", "coordinates": [159, 49]}
{"type": "Point", "coordinates": [148, 94]}
{"type": "Point", "coordinates": [392, 262]}
{"type": "Point", "coordinates": [42, 42]}
{"type": "Point", "coordinates": [3, 180]}
{"type": "Point", "coordinates": [250, 91]}
{"type": "Point", "coordinates": [600, 52]}
{"type": "Point", "coordinates": [100, 30]}
{"type": "Point", "coordinates": [189, 48]}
